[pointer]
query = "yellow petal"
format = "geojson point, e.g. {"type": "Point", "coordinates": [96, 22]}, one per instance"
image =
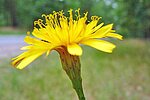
{"type": "Point", "coordinates": [54, 37]}
{"type": "Point", "coordinates": [97, 27]}
{"type": "Point", "coordinates": [80, 26]}
{"type": "Point", "coordinates": [62, 31]}
{"type": "Point", "coordinates": [20, 57]}
{"type": "Point", "coordinates": [90, 26]}
{"type": "Point", "coordinates": [31, 40]}
{"type": "Point", "coordinates": [102, 31]}
{"type": "Point", "coordinates": [74, 49]}
{"type": "Point", "coordinates": [36, 42]}
{"type": "Point", "coordinates": [25, 61]}
{"type": "Point", "coordinates": [26, 47]}
{"type": "Point", "coordinates": [41, 35]}
{"type": "Point", "coordinates": [114, 35]}
{"type": "Point", "coordinates": [100, 45]}
{"type": "Point", "coordinates": [48, 52]}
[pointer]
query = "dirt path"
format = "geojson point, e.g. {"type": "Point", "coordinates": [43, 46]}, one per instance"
{"type": "Point", "coordinates": [10, 45]}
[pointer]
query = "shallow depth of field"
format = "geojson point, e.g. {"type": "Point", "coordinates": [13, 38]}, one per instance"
{"type": "Point", "coordinates": [122, 75]}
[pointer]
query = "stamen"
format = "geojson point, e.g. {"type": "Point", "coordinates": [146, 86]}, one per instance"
{"type": "Point", "coordinates": [35, 23]}
{"type": "Point", "coordinates": [28, 33]}
{"type": "Point", "coordinates": [85, 14]}
{"type": "Point", "coordinates": [56, 19]}
{"type": "Point", "coordinates": [71, 18]}
{"type": "Point", "coordinates": [78, 13]}
{"type": "Point", "coordinates": [40, 23]}
{"type": "Point", "coordinates": [95, 18]}
{"type": "Point", "coordinates": [70, 13]}
{"type": "Point", "coordinates": [46, 17]}
{"type": "Point", "coordinates": [43, 15]}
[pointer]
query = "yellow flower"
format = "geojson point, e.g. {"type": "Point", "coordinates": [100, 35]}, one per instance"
{"type": "Point", "coordinates": [58, 31]}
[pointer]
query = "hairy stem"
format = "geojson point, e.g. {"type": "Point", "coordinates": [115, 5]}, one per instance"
{"type": "Point", "coordinates": [71, 65]}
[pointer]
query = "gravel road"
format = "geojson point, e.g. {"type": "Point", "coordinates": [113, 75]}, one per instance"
{"type": "Point", "coordinates": [10, 45]}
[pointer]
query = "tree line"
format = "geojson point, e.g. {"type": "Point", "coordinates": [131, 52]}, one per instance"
{"type": "Point", "coordinates": [131, 18]}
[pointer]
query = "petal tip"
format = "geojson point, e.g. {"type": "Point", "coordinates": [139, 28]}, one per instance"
{"type": "Point", "coordinates": [74, 49]}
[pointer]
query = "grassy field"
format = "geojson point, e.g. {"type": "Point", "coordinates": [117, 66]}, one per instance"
{"type": "Point", "coordinates": [122, 75]}
{"type": "Point", "coordinates": [11, 31]}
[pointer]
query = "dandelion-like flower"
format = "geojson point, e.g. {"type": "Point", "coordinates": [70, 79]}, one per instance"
{"type": "Point", "coordinates": [65, 34]}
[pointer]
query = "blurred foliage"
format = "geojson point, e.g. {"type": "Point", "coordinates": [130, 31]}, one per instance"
{"type": "Point", "coordinates": [130, 17]}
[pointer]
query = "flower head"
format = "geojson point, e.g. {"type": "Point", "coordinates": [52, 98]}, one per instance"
{"type": "Point", "coordinates": [58, 31]}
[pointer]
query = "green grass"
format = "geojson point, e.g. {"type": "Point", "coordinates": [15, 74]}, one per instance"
{"type": "Point", "coordinates": [122, 75]}
{"type": "Point", "coordinates": [11, 31]}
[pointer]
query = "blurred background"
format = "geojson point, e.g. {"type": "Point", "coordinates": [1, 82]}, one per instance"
{"type": "Point", "coordinates": [122, 75]}
{"type": "Point", "coordinates": [130, 17]}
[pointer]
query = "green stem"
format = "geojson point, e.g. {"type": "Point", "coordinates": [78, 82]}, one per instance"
{"type": "Point", "coordinates": [71, 65]}
{"type": "Point", "coordinates": [79, 90]}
